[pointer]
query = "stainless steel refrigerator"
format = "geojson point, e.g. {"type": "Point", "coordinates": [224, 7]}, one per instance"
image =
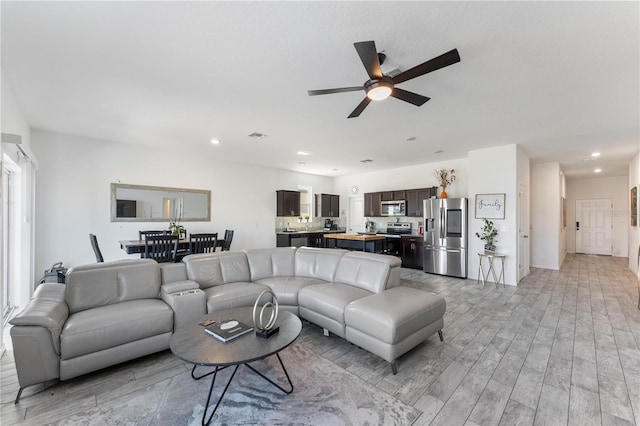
{"type": "Point", "coordinates": [445, 236]}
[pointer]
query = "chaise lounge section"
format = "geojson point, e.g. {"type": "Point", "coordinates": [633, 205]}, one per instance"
{"type": "Point", "coordinates": [117, 311]}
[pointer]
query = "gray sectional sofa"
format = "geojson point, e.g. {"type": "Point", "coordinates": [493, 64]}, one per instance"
{"type": "Point", "coordinates": [108, 313]}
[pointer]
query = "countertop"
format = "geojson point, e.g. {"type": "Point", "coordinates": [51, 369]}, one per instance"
{"type": "Point", "coordinates": [356, 237]}
{"type": "Point", "coordinates": [310, 231]}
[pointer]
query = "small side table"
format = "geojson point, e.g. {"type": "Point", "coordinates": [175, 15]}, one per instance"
{"type": "Point", "coordinates": [491, 257]}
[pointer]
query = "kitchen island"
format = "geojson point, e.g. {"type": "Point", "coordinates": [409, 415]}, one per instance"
{"type": "Point", "coordinates": [363, 242]}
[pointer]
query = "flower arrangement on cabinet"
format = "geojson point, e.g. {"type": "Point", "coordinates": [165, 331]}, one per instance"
{"type": "Point", "coordinates": [445, 177]}
{"type": "Point", "coordinates": [488, 234]}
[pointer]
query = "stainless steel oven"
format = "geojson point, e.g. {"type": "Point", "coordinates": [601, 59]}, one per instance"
{"type": "Point", "coordinates": [393, 208]}
{"type": "Point", "coordinates": [394, 233]}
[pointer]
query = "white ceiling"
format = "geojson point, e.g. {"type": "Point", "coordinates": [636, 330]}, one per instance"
{"type": "Point", "coordinates": [560, 79]}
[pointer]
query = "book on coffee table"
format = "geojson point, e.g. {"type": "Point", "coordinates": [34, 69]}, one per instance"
{"type": "Point", "coordinates": [227, 329]}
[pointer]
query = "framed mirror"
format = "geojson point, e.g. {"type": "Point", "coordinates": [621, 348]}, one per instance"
{"type": "Point", "coordinates": [140, 203]}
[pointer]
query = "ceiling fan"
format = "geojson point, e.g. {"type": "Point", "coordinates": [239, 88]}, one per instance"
{"type": "Point", "coordinates": [380, 86]}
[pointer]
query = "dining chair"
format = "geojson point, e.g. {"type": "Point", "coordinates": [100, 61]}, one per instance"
{"type": "Point", "coordinates": [143, 234]}
{"type": "Point", "coordinates": [228, 237]}
{"type": "Point", "coordinates": [161, 248]}
{"type": "Point", "coordinates": [96, 249]}
{"type": "Point", "coordinates": [203, 243]}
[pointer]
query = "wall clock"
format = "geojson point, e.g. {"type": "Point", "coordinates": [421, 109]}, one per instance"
{"type": "Point", "coordinates": [355, 190]}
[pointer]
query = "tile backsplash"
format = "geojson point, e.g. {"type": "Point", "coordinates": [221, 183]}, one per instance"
{"type": "Point", "coordinates": [313, 223]}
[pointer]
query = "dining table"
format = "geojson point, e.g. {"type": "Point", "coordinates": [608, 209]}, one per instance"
{"type": "Point", "coordinates": [137, 246]}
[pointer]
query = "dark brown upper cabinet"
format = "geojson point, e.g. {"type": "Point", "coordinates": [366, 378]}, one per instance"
{"type": "Point", "coordinates": [327, 205]}
{"type": "Point", "coordinates": [372, 203]}
{"type": "Point", "coordinates": [415, 197]}
{"type": "Point", "coordinates": [287, 203]}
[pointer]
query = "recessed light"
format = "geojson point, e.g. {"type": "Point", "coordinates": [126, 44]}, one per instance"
{"type": "Point", "coordinates": [410, 138]}
{"type": "Point", "coordinates": [303, 153]}
{"type": "Point", "coordinates": [438, 151]}
{"type": "Point", "coordinates": [366, 160]}
{"type": "Point", "coordinates": [302, 163]}
{"type": "Point", "coordinates": [595, 154]}
{"type": "Point", "coordinates": [215, 141]}
{"type": "Point", "coordinates": [597, 170]}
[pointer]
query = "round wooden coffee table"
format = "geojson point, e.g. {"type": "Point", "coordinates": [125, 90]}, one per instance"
{"type": "Point", "coordinates": [194, 346]}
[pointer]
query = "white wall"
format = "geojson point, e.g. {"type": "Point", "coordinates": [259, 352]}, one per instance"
{"type": "Point", "coordinates": [634, 232]}
{"type": "Point", "coordinates": [546, 213]}
{"type": "Point", "coordinates": [614, 188]}
{"type": "Point", "coordinates": [73, 195]}
{"type": "Point", "coordinates": [494, 170]}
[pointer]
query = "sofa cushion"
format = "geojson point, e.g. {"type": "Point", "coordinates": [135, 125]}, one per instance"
{"type": "Point", "coordinates": [317, 262]}
{"type": "Point", "coordinates": [395, 314]}
{"type": "Point", "coordinates": [101, 284]}
{"type": "Point", "coordinates": [394, 263]}
{"type": "Point", "coordinates": [113, 325]}
{"type": "Point", "coordinates": [172, 272]}
{"type": "Point", "coordinates": [274, 262]}
{"type": "Point", "coordinates": [330, 300]}
{"type": "Point", "coordinates": [233, 295]}
{"type": "Point", "coordinates": [211, 269]}
{"type": "Point", "coordinates": [287, 288]}
{"type": "Point", "coordinates": [368, 271]}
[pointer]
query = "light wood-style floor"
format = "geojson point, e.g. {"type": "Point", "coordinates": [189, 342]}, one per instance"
{"type": "Point", "coordinates": [562, 348]}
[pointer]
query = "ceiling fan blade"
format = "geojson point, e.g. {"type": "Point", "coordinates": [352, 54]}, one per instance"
{"type": "Point", "coordinates": [444, 60]}
{"type": "Point", "coordinates": [338, 90]}
{"type": "Point", "coordinates": [361, 106]}
{"type": "Point", "coordinates": [369, 57]}
{"type": "Point", "coordinates": [412, 98]}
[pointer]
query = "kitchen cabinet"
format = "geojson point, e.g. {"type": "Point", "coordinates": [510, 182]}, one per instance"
{"type": "Point", "coordinates": [412, 251]}
{"type": "Point", "coordinates": [327, 205]}
{"type": "Point", "coordinates": [303, 238]}
{"type": "Point", "coordinates": [415, 198]}
{"type": "Point", "coordinates": [315, 240]}
{"type": "Point", "coordinates": [287, 203]}
{"type": "Point", "coordinates": [393, 196]}
{"type": "Point", "coordinates": [372, 202]}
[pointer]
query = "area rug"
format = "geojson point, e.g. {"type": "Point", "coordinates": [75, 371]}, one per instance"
{"type": "Point", "coordinates": [324, 394]}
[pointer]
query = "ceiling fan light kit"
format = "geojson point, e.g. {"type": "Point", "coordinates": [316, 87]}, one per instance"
{"type": "Point", "coordinates": [378, 90]}
{"type": "Point", "coordinates": [380, 86]}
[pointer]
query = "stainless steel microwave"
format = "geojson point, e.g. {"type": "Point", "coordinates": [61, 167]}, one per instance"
{"type": "Point", "coordinates": [393, 208]}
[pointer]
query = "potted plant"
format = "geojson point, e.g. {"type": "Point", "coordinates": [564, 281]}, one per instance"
{"type": "Point", "coordinates": [488, 235]}
{"type": "Point", "coordinates": [446, 177]}
{"type": "Point", "coordinates": [176, 228]}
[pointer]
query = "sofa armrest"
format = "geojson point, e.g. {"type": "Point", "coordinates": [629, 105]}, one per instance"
{"type": "Point", "coordinates": [187, 301]}
{"type": "Point", "coordinates": [48, 309]}
{"type": "Point", "coordinates": [35, 335]}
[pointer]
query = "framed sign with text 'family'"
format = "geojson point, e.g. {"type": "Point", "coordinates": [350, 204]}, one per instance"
{"type": "Point", "coordinates": [490, 206]}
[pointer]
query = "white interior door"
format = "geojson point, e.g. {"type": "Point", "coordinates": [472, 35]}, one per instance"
{"type": "Point", "coordinates": [594, 226]}
{"type": "Point", "coordinates": [356, 215]}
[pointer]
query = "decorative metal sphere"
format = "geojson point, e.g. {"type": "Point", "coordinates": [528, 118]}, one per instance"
{"type": "Point", "coordinates": [258, 320]}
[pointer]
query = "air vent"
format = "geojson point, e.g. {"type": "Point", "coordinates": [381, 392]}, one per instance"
{"type": "Point", "coordinates": [366, 161]}
{"type": "Point", "coordinates": [257, 135]}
